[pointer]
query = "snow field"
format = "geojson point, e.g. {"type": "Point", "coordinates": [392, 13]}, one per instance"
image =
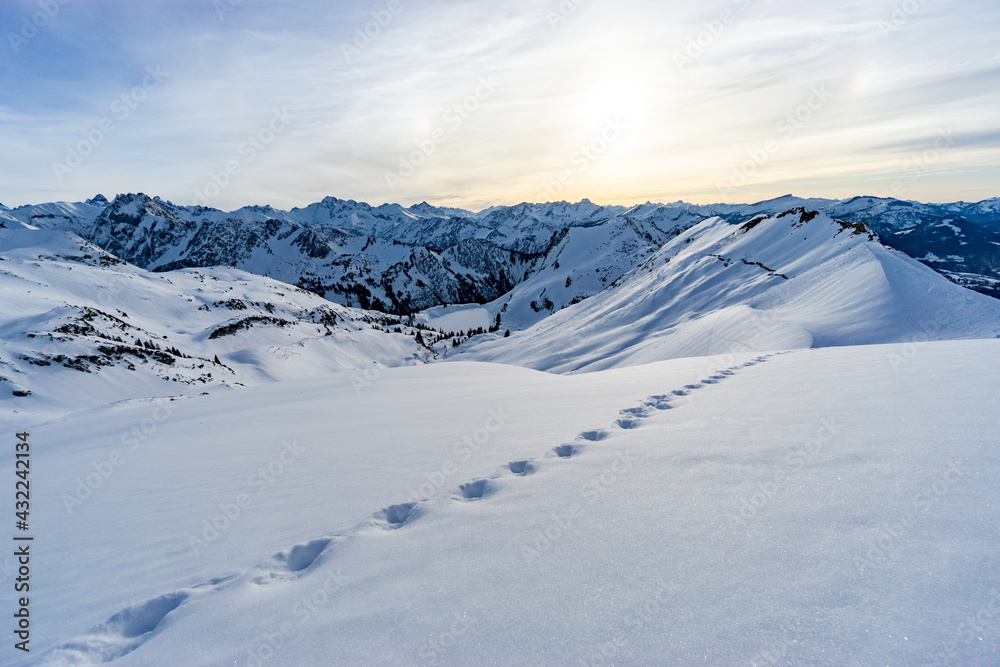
{"type": "Point", "coordinates": [827, 507]}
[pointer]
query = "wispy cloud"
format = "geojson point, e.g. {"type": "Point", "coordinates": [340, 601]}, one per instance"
{"type": "Point", "coordinates": [370, 82]}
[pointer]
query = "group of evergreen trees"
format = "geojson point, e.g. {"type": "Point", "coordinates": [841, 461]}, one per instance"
{"type": "Point", "coordinates": [424, 332]}
{"type": "Point", "coordinates": [150, 345]}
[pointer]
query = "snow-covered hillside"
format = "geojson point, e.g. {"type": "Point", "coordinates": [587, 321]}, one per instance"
{"type": "Point", "coordinates": [834, 507]}
{"type": "Point", "coordinates": [82, 328]}
{"type": "Point", "coordinates": [582, 262]}
{"type": "Point", "coordinates": [960, 240]}
{"type": "Point", "coordinates": [798, 279]}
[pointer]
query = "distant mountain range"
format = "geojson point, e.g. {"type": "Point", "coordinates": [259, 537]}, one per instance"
{"type": "Point", "coordinates": [527, 260]}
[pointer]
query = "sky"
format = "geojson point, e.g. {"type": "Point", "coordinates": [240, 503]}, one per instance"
{"type": "Point", "coordinates": [226, 103]}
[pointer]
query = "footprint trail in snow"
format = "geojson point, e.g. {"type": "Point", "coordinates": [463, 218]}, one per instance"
{"type": "Point", "coordinates": [129, 628]}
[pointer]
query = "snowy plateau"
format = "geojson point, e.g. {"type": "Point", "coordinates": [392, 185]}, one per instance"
{"type": "Point", "coordinates": [543, 434]}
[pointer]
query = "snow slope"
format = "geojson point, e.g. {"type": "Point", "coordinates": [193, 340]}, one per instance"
{"type": "Point", "coordinates": [835, 506]}
{"type": "Point", "coordinates": [81, 328]}
{"type": "Point", "coordinates": [959, 240]}
{"type": "Point", "coordinates": [581, 262]}
{"type": "Point", "coordinates": [794, 280]}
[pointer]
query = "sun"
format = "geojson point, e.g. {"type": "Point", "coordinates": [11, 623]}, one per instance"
{"type": "Point", "coordinates": [610, 96]}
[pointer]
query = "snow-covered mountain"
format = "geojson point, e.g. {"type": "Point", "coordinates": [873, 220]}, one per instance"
{"type": "Point", "coordinates": [961, 240]}
{"type": "Point", "coordinates": [404, 260]}
{"type": "Point", "coordinates": [985, 213]}
{"type": "Point", "coordinates": [584, 260]}
{"type": "Point", "coordinates": [797, 279]}
{"type": "Point", "coordinates": [80, 327]}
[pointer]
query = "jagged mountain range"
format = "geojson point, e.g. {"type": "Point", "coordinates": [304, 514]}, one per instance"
{"type": "Point", "coordinates": [526, 261]}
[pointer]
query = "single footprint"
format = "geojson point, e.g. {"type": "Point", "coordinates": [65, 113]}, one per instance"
{"type": "Point", "coordinates": [144, 618]}
{"type": "Point", "coordinates": [520, 468]}
{"type": "Point", "coordinates": [286, 565]}
{"type": "Point", "coordinates": [593, 436]}
{"type": "Point", "coordinates": [474, 490]}
{"type": "Point", "coordinates": [565, 451]}
{"type": "Point", "coordinates": [396, 516]}
{"type": "Point", "coordinates": [302, 556]}
{"type": "Point", "coordinates": [119, 635]}
{"type": "Point", "coordinates": [212, 583]}
{"type": "Point", "coordinates": [628, 423]}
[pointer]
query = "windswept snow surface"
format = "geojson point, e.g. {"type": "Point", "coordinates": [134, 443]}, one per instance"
{"type": "Point", "coordinates": [835, 506]}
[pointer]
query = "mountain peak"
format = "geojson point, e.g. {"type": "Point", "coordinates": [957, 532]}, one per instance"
{"type": "Point", "coordinates": [136, 205]}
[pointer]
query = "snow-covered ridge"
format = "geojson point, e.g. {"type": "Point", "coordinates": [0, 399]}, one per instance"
{"type": "Point", "coordinates": [793, 280]}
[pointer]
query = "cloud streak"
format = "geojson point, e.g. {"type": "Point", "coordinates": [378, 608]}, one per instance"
{"type": "Point", "coordinates": [560, 83]}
